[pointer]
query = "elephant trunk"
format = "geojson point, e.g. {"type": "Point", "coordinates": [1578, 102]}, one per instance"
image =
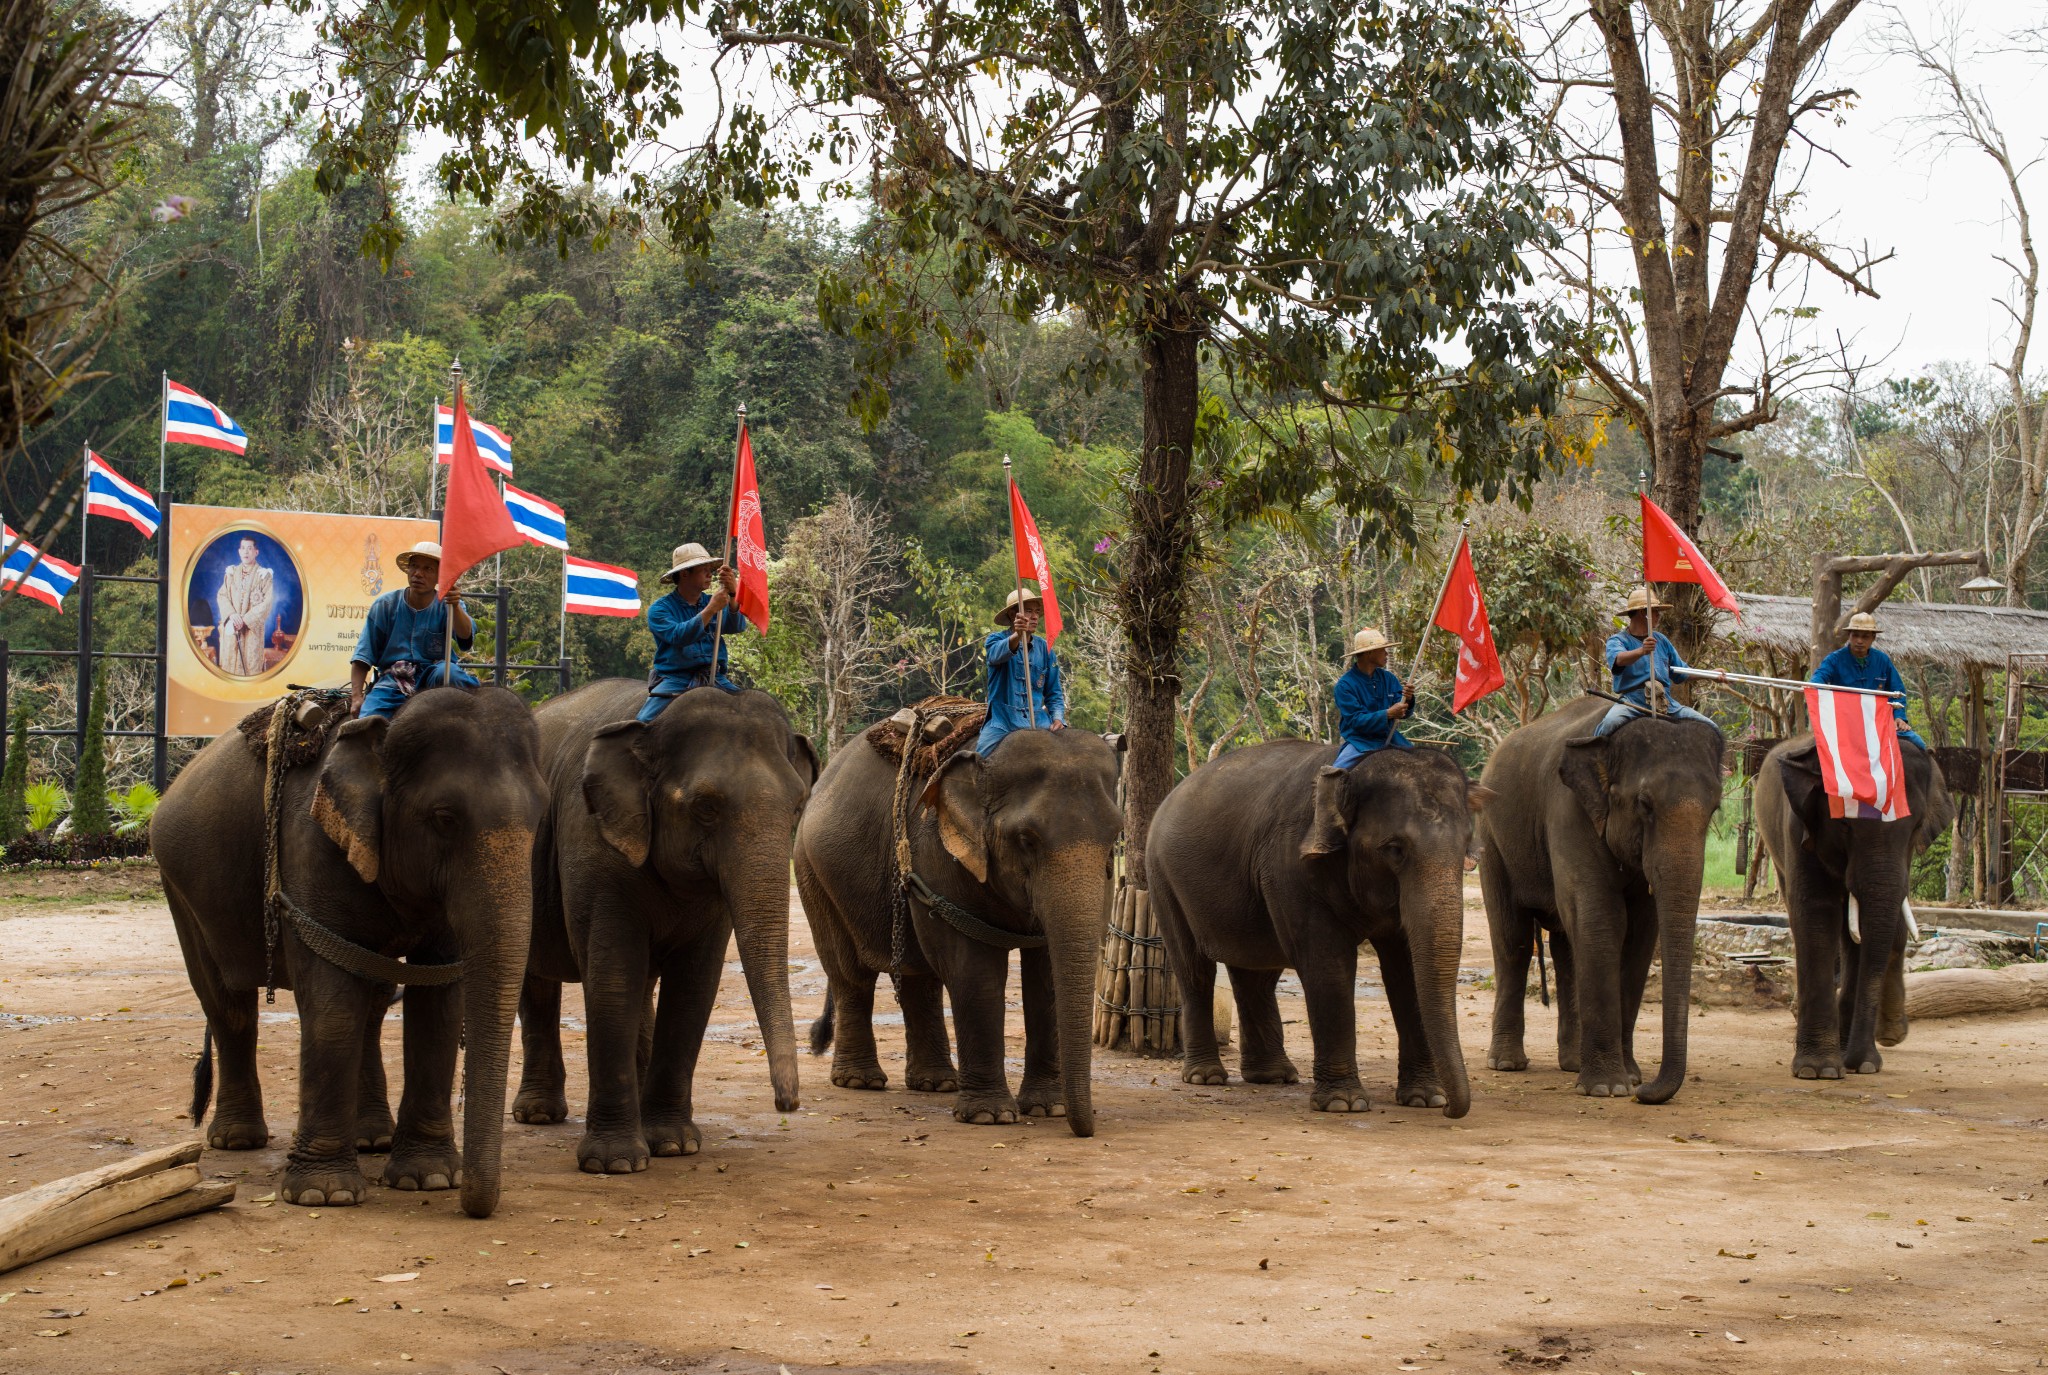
{"type": "Point", "coordinates": [493, 921]}
{"type": "Point", "coordinates": [1070, 898]}
{"type": "Point", "coordinates": [1433, 918]}
{"type": "Point", "coordinates": [1675, 872]}
{"type": "Point", "coordinates": [756, 885]}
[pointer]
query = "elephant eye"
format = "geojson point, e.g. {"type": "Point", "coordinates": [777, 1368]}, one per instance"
{"type": "Point", "coordinates": [444, 819]}
{"type": "Point", "coordinates": [1396, 851]}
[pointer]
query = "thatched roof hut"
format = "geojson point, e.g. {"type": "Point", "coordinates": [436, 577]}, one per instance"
{"type": "Point", "coordinates": [1947, 634]}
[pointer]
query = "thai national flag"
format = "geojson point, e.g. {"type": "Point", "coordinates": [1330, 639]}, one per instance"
{"type": "Point", "coordinates": [190, 418]}
{"type": "Point", "coordinates": [491, 442]}
{"type": "Point", "coordinates": [542, 522]}
{"type": "Point", "coordinates": [47, 579]}
{"type": "Point", "coordinates": [598, 589]}
{"type": "Point", "coordinates": [1857, 739]}
{"type": "Point", "coordinates": [107, 493]}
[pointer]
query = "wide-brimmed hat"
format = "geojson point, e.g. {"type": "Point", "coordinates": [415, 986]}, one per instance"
{"type": "Point", "coordinates": [425, 549]}
{"type": "Point", "coordinates": [685, 557]}
{"type": "Point", "coordinates": [1641, 600]}
{"type": "Point", "coordinates": [1023, 596]}
{"type": "Point", "coordinates": [1863, 620]}
{"type": "Point", "coordinates": [1367, 639]}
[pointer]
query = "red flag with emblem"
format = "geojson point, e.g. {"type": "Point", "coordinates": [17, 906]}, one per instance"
{"type": "Point", "coordinates": [1668, 556]}
{"type": "Point", "coordinates": [1462, 611]}
{"type": "Point", "coordinates": [749, 536]}
{"type": "Point", "coordinates": [1031, 560]}
{"type": "Point", "coordinates": [474, 521]}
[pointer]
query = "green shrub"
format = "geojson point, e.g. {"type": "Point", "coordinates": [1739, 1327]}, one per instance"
{"type": "Point", "coordinates": [14, 782]}
{"type": "Point", "coordinates": [89, 815]}
{"type": "Point", "coordinates": [47, 804]}
{"type": "Point", "coordinates": [133, 809]}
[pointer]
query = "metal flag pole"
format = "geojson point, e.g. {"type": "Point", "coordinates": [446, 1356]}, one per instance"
{"type": "Point", "coordinates": [562, 650]}
{"type": "Point", "coordinates": [448, 612]}
{"type": "Point", "coordinates": [1650, 692]}
{"type": "Point", "coordinates": [85, 486]}
{"type": "Point", "coordinates": [163, 427]}
{"type": "Point", "coordinates": [1009, 495]}
{"type": "Point", "coordinates": [1464, 533]}
{"type": "Point", "coordinates": [434, 450]}
{"type": "Point", "coordinates": [732, 496]}
{"type": "Point", "coordinates": [160, 759]}
{"type": "Point", "coordinates": [1716, 675]}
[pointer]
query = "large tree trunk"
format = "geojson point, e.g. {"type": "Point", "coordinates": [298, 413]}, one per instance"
{"type": "Point", "coordinates": [1153, 595]}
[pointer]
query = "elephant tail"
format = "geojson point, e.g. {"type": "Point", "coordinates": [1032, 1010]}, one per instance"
{"type": "Point", "coordinates": [202, 1079]}
{"type": "Point", "coordinates": [821, 1030]}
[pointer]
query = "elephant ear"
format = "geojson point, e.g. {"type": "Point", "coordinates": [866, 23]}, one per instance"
{"type": "Point", "coordinates": [803, 757]}
{"type": "Point", "coordinates": [1584, 771]}
{"type": "Point", "coordinates": [1934, 810]}
{"type": "Point", "coordinates": [955, 792]}
{"type": "Point", "coordinates": [1335, 810]}
{"type": "Point", "coordinates": [348, 802]}
{"type": "Point", "coordinates": [1800, 771]}
{"type": "Point", "coordinates": [615, 783]}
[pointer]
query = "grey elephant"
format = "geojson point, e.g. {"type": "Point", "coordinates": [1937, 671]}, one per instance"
{"type": "Point", "coordinates": [661, 841]}
{"type": "Point", "coordinates": [1850, 970]}
{"type": "Point", "coordinates": [412, 837]}
{"type": "Point", "coordinates": [1014, 849]}
{"type": "Point", "coordinates": [1270, 858]}
{"type": "Point", "coordinates": [1601, 841]}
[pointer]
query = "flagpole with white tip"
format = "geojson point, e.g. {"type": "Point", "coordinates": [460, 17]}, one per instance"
{"type": "Point", "coordinates": [163, 429]}
{"type": "Point", "coordinates": [1010, 496]}
{"type": "Point", "coordinates": [1650, 692]}
{"type": "Point", "coordinates": [84, 524]}
{"type": "Point", "coordinates": [448, 612]}
{"type": "Point", "coordinates": [434, 451]}
{"type": "Point", "coordinates": [731, 518]}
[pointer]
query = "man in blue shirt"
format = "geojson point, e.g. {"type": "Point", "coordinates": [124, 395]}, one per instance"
{"type": "Point", "coordinates": [686, 625]}
{"type": "Point", "coordinates": [405, 638]}
{"type": "Point", "coordinates": [1370, 700]}
{"type": "Point", "coordinates": [1007, 709]}
{"type": "Point", "coordinates": [1636, 655]}
{"type": "Point", "coordinates": [1860, 664]}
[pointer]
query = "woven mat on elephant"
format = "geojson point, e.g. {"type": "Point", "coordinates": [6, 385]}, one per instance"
{"type": "Point", "coordinates": [950, 725]}
{"type": "Point", "coordinates": [303, 745]}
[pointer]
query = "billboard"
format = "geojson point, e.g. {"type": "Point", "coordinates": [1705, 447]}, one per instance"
{"type": "Point", "coordinates": [262, 599]}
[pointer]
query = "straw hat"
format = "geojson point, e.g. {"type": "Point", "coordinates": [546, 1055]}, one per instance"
{"type": "Point", "coordinates": [425, 549]}
{"type": "Point", "coordinates": [1011, 602]}
{"type": "Point", "coordinates": [1641, 600]}
{"type": "Point", "coordinates": [685, 557]}
{"type": "Point", "coordinates": [1367, 639]}
{"type": "Point", "coordinates": [1863, 620]}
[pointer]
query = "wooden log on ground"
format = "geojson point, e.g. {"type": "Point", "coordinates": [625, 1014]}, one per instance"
{"type": "Point", "coordinates": [1964, 992]}
{"type": "Point", "coordinates": [142, 1191]}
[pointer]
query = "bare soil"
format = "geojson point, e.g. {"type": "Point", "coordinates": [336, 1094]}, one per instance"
{"type": "Point", "coordinates": [1756, 1224]}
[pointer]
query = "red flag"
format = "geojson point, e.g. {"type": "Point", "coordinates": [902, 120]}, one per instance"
{"type": "Point", "coordinates": [1668, 556]}
{"type": "Point", "coordinates": [1462, 611]}
{"type": "Point", "coordinates": [1031, 560]}
{"type": "Point", "coordinates": [749, 536]}
{"type": "Point", "coordinates": [1856, 738]}
{"type": "Point", "coordinates": [474, 521]}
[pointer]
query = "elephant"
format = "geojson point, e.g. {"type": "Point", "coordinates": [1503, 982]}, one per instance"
{"type": "Point", "coordinates": [413, 836]}
{"type": "Point", "coordinates": [661, 839]}
{"type": "Point", "coordinates": [1601, 841]}
{"type": "Point", "coordinates": [1856, 961]}
{"type": "Point", "coordinates": [1016, 847]}
{"type": "Point", "coordinates": [1271, 858]}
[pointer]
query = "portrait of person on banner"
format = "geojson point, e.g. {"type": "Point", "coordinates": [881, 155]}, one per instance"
{"type": "Point", "coordinates": [244, 602]}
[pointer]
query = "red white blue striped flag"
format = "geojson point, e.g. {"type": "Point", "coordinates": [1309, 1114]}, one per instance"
{"type": "Point", "coordinates": [1857, 738]}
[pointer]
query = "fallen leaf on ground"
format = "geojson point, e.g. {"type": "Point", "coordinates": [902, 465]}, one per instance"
{"type": "Point", "coordinates": [403, 1277]}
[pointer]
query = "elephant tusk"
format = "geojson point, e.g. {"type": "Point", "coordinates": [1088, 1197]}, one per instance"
{"type": "Point", "coordinates": [1855, 927]}
{"type": "Point", "coordinates": [1912, 927]}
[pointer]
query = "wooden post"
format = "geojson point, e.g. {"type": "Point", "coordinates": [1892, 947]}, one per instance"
{"type": "Point", "coordinates": [1985, 781]}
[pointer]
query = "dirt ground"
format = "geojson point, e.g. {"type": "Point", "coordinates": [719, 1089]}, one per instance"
{"type": "Point", "coordinates": [1756, 1224]}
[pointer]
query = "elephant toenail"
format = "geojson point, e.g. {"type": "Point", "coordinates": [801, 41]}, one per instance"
{"type": "Point", "coordinates": [621, 1167]}
{"type": "Point", "coordinates": [593, 1166]}
{"type": "Point", "coordinates": [1056, 1110]}
{"type": "Point", "coordinates": [691, 1148]}
{"type": "Point", "coordinates": [406, 1182]}
{"type": "Point", "coordinates": [437, 1181]}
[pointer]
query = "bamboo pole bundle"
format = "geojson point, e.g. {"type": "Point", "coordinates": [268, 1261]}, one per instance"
{"type": "Point", "coordinates": [75, 1211]}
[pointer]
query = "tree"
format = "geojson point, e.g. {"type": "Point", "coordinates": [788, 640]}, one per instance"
{"type": "Point", "coordinates": [14, 781]}
{"type": "Point", "coordinates": [89, 814]}
{"type": "Point", "coordinates": [1319, 198]}
{"type": "Point", "coordinates": [837, 568]}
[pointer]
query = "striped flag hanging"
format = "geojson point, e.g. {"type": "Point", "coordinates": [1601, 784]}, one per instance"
{"type": "Point", "coordinates": [492, 443]}
{"type": "Point", "coordinates": [190, 418]}
{"type": "Point", "coordinates": [542, 522]}
{"type": "Point", "coordinates": [109, 494]}
{"type": "Point", "coordinates": [1857, 740]}
{"type": "Point", "coordinates": [599, 589]}
{"type": "Point", "coordinates": [46, 578]}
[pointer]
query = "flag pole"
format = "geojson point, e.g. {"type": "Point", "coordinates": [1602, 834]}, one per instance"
{"type": "Point", "coordinates": [562, 651]}
{"type": "Point", "coordinates": [448, 612]}
{"type": "Point", "coordinates": [732, 497]}
{"type": "Point", "coordinates": [163, 427]}
{"type": "Point", "coordinates": [1650, 693]}
{"type": "Point", "coordinates": [1415, 668]}
{"type": "Point", "coordinates": [85, 497]}
{"type": "Point", "coordinates": [434, 449]}
{"type": "Point", "coordinates": [1010, 495]}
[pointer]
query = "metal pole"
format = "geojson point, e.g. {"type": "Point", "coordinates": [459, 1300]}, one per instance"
{"type": "Point", "coordinates": [6, 723]}
{"type": "Point", "coordinates": [1010, 495]}
{"type": "Point", "coordinates": [434, 450]}
{"type": "Point", "coordinates": [84, 660]}
{"type": "Point", "coordinates": [163, 428]}
{"type": "Point", "coordinates": [562, 646]}
{"type": "Point", "coordinates": [85, 500]}
{"type": "Point", "coordinates": [448, 612]}
{"type": "Point", "coordinates": [1464, 533]}
{"type": "Point", "coordinates": [160, 760]}
{"type": "Point", "coordinates": [565, 673]}
{"type": "Point", "coordinates": [498, 663]}
{"type": "Point", "coordinates": [731, 516]}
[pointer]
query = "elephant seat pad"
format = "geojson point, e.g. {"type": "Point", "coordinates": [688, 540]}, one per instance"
{"type": "Point", "coordinates": [950, 725]}
{"type": "Point", "coordinates": [316, 714]}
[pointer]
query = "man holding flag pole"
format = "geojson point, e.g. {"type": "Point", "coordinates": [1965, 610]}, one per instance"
{"type": "Point", "coordinates": [1034, 697]}
{"type": "Point", "coordinates": [1640, 652]}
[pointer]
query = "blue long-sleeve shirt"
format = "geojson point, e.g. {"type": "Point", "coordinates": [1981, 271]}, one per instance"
{"type": "Point", "coordinates": [394, 632]}
{"type": "Point", "coordinates": [683, 635]}
{"type": "Point", "coordinates": [1362, 702]}
{"type": "Point", "coordinates": [1874, 670]}
{"type": "Point", "coordinates": [1631, 680]}
{"type": "Point", "coordinates": [1006, 708]}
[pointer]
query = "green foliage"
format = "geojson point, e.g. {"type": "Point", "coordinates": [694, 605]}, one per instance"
{"type": "Point", "coordinates": [47, 803]}
{"type": "Point", "coordinates": [89, 815]}
{"type": "Point", "coordinates": [133, 809]}
{"type": "Point", "coordinates": [14, 780]}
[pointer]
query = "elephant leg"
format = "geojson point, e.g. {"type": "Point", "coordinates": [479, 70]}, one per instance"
{"type": "Point", "coordinates": [238, 1123]}
{"type": "Point", "coordinates": [1564, 973]}
{"type": "Point", "coordinates": [928, 1055]}
{"type": "Point", "coordinates": [1201, 1061]}
{"type": "Point", "coordinates": [1891, 1008]}
{"type": "Point", "coordinates": [1418, 1085]}
{"type": "Point", "coordinates": [542, 1096]}
{"type": "Point", "coordinates": [977, 984]}
{"type": "Point", "coordinates": [1040, 1093]}
{"type": "Point", "coordinates": [1262, 1050]}
{"type": "Point", "coordinates": [1598, 928]}
{"type": "Point", "coordinates": [1863, 977]}
{"type": "Point", "coordinates": [615, 1003]}
{"type": "Point", "coordinates": [1329, 980]}
{"type": "Point", "coordinates": [1638, 947]}
{"type": "Point", "coordinates": [423, 1152]}
{"type": "Point", "coordinates": [856, 1063]}
{"type": "Point", "coordinates": [373, 1095]}
{"type": "Point", "coordinates": [1514, 941]}
{"type": "Point", "coordinates": [1817, 1044]}
{"type": "Point", "coordinates": [689, 987]}
{"type": "Point", "coordinates": [321, 1169]}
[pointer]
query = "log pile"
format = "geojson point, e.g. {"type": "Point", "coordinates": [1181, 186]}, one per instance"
{"type": "Point", "coordinates": [144, 1191]}
{"type": "Point", "coordinates": [1137, 1006]}
{"type": "Point", "coordinates": [1964, 992]}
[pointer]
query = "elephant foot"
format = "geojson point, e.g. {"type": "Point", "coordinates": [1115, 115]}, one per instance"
{"type": "Point", "coordinates": [1042, 1100]}
{"type": "Point", "coordinates": [417, 1165]}
{"type": "Point", "coordinates": [1420, 1094]}
{"type": "Point", "coordinates": [1607, 1084]}
{"type": "Point", "coordinates": [1281, 1071]}
{"type": "Point", "coordinates": [848, 1075]}
{"type": "Point", "coordinates": [985, 1109]}
{"type": "Point", "coordinates": [374, 1130]}
{"type": "Point", "coordinates": [615, 1152]}
{"type": "Point", "coordinates": [672, 1135]}
{"type": "Point", "coordinates": [1339, 1098]}
{"type": "Point", "coordinates": [1816, 1067]}
{"type": "Point", "coordinates": [238, 1134]}
{"type": "Point", "coordinates": [1511, 1058]}
{"type": "Point", "coordinates": [1206, 1072]}
{"type": "Point", "coordinates": [1891, 1033]}
{"type": "Point", "coordinates": [313, 1187]}
{"type": "Point", "coordinates": [540, 1106]}
{"type": "Point", "coordinates": [1870, 1062]}
{"type": "Point", "coordinates": [1568, 1061]}
{"type": "Point", "coordinates": [942, 1079]}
